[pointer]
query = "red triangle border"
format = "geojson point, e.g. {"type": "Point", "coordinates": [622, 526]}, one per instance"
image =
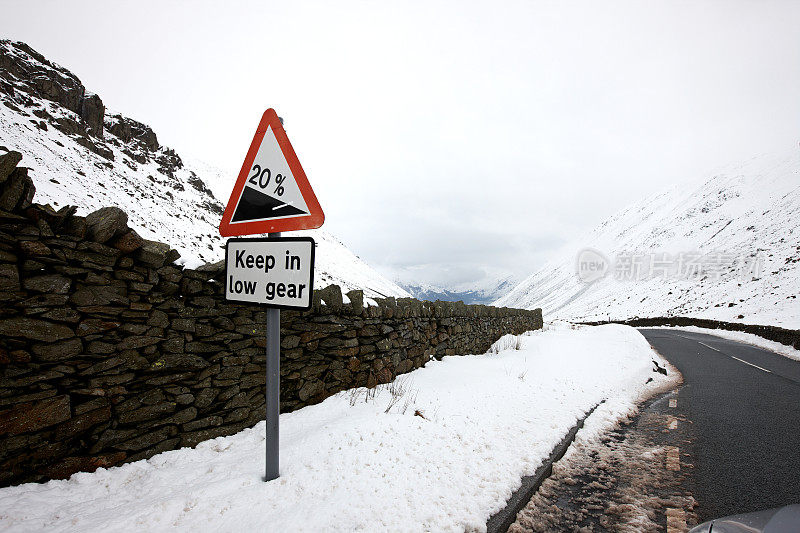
{"type": "Point", "coordinates": [313, 220]}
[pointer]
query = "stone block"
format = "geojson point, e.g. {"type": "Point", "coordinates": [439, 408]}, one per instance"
{"type": "Point", "coordinates": [205, 397]}
{"type": "Point", "coordinates": [184, 324]}
{"type": "Point", "coordinates": [58, 351]}
{"type": "Point", "coordinates": [92, 326]}
{"type": "Point", "coordinates": [34, 248]}
{"type": "Point", "coordinates": [194, 438]}
{"type": "Point", "coordinates": [17, 191]}
{"type": "Point", "coordinates": [32, 416]}
{"type": "Point", "coordinates": [9, 278]}
{"type": "Point", "coordinates": [106, 223]}
{"type": "Point", "coordinates": [182, 361]}
{"type": "Point", "coordinates": [404, 366]}
{"type": "Point", "coordinates": [82, 423]}
{"type": "Point", "coordinates": [184, 399]}
{"type": "Point", "coordinates": [237, 415]}
{"type": "Point", "coordinates": [148, 439]}
{"type": "Point", "coordinates": [92, 295]}
{"type": "Point", "coordinates": [64, 468]}
{"type": "Point", "coordinates": [163, 446]}
{"type": "Point", "coordinates": [200, 423]}
{"type": "Point", "coordinates": [135, 342]}
{"type": "Point", "coordinates": [181, 417]}
{"type": "Point", "coordinates": [202, 347]}
{"type": "Point", "coordinates": [63, 315]}
{"type": "Point", "coordinates": [34, 329]}
{"type": "Point", "coordinates": [153, 253]}
{"type": "Point", "coordinates": [174, 344]}
{"type": "Point", "coordinates": [8, 162]}
{"type": "Point", "coordinates": [150, 412]}
{"type": "Point", "coordinates": [311, 389]}
{"type": "Point", "coordinates": [128, 242]}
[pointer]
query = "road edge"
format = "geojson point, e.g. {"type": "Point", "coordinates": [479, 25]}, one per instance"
{"type": "Point", "coordinates": [502, 520]}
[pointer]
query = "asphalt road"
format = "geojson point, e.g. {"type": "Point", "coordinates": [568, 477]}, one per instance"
{"type": "Point", "coordinates": [743, 406]}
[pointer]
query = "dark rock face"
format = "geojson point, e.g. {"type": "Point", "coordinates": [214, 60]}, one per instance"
{"type": "Point", "coordinates": [92, 112]}
{"type": "Point", "coordinates": [110, 352]}
{"type": "Point", "coordinates": [129, 130]}
{"type": "Point", "coordinates": [23, 71]}
{"type": "Point", "coordinates": [95, 146]}
{"type": "Point", "coordinates": [40, 76]}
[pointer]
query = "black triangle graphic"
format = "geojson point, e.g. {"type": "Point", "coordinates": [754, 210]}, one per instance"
{"type": "Point", "coordinates": [255, 205]}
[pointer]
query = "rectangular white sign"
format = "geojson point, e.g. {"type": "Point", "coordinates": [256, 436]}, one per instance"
{"type": "Point", "coordinates": [277, 271]}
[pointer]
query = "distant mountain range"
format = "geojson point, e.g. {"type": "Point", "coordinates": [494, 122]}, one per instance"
{"type": "Point", "coordinates": [727, 248]}
{"type": "Point", "coordinates": [485, 292]}
{"type": "Point", "coordinates": [82, 154]}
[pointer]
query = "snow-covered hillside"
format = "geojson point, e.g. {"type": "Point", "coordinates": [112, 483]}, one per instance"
{"type": "Point", "coordinates": [81, 154]}
{"type": "Point", "coordinates": [725, 249]}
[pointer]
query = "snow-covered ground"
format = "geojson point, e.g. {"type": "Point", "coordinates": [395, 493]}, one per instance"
{"type": "Point", "coordinates": [747, 338]}
{"type": "Point", "coordinates": [445, 457]}
{"type": "Point", "coordinates": [688, 252]}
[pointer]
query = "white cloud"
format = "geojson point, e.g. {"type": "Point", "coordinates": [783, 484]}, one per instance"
{"type": "Point", "coordinates": [435, 133]}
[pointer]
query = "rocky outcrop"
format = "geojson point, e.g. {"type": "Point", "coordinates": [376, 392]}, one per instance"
{"type": "Point", "coordinates": [129, 130]}
{"type": "Point", "coordinates": [35, 74]}
{"type": "Point", "coordinates": [92, 112]}
{"type": "Point", "coordinates": [25, 73]}
{"type": "Point", "coordinates": [110, 352]}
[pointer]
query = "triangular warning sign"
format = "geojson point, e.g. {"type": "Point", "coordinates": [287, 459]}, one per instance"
{"type": "Point", "coordinates": [272, 192]}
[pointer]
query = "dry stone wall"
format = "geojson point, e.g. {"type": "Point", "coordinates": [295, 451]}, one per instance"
{"type": "Point", "coordinates": [110, 352]}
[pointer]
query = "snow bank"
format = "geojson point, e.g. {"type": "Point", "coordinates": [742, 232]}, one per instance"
{"type": "Point", "coordinates": [506, 342]}
{"type": "Point", "coordinates": [747, 338]}
{"type": "Point", "coordinates": [441, 449]}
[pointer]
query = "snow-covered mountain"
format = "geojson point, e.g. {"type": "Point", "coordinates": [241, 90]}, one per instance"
{"type": "Point", "coordinates": [483, 292]}
{"type": "Point", "coordinates": [82, 154]}
{"type": "Point", "coordinates": [726, 249]}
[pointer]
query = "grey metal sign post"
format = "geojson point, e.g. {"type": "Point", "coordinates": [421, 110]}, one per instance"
{"type": "Point", "coordinates": [279, 273]}
{"type": "Point", "coordinates": [271, 195]}
{"type": "Point", "coordinates": [273, 389]}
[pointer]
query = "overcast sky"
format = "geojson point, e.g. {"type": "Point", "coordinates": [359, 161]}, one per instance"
{"type": "Point", "coordinates": [445, 137]}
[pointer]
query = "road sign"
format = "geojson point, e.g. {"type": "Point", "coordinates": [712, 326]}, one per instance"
{"type": "Point", "coordinates": [278, 271]}
{"type": "Point", "coordinates": [272, 193]}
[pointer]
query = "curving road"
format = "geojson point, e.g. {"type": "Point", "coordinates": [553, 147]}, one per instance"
{"type": "Point", "coordinates": [743, 406]}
